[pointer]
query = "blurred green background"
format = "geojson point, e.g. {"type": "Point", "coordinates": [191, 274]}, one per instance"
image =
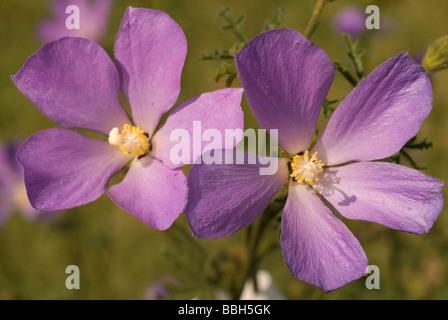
{"type": "Point", "coordinates": [120, 257]}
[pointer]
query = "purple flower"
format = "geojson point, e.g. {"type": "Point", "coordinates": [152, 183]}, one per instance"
{"type": "Point", "coordinates": [93, 16]}
{"type": "Point", "coordinates": [286, 79]}
{"type": "Point", "coordinates": [161, 288]}
{"type": "Point", "coordinates": [350, 19]}
{"type": "Point", "coordinates": [7, 181]}
{"type": "Point", "coordinates": [12, 188]}
{"type": "Point", "coordinates": [75, 83]}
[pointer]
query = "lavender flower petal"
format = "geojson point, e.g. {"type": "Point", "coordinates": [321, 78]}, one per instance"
{"type": "Point", "coordinates": [380, 115]}
{"type": "Point", "coordinates": [225, 198]}
{"type": "Point", "coordinates": [317, 247]}
{"type": "Point", "coordinates": [75, 83]}
{"type": "Point", "coordinates": [286, 79]}
{"type": "Point", "coordinates": [395, 196]}
{"type": "Point", "coordinates": [64, 169]}
{"type": "Point", "coordinates": [151, 192]}
{"type": "Point", "coordinates": [150, 51]}
{"type": "Point", "coordinates": [218, 110]}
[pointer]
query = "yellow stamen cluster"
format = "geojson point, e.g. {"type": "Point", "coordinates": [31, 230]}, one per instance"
{"type": "Point", "coordinates": [132, 140]}
{"type": "Point", "coordinates": [306, 168]}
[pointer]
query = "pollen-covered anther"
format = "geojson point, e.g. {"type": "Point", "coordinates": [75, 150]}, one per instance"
{"type": "Point", "coordinates": [306, 168]}
{"type": "Point", "coordinates": [132, 140]}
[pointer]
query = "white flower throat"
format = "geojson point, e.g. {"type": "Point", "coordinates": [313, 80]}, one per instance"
{"type": "Point", "coordinates": [306, 168]}
{"type": "Point", "coordinates": [132, 140]}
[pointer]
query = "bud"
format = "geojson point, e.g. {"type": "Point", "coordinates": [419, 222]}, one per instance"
{"type": "Point", "coordinates": [436, 56]}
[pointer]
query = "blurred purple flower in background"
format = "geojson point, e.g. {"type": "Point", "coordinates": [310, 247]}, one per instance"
{"type": "Point", "coordinates": [351, 20]}
{"type": "Point", "coordinates": [12, 188]}
{"type": "Point", "coordinates": [161, 289]}
{"type": "Point", "coordinates": [286, 79]}
{"type": "Point", "coordinates": [94, 16]}
{"type": "Point", "coordinates": [75, 83]}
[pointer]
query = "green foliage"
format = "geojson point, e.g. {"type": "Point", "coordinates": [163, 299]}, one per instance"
{"type": "Point", "coordinates": [346, 73]}
{"type": "Point", "coordinates": [355, 54]}
{"type": "Point", "coordinates": [218, 54]}
{"type": "Point", "coordinates": [279, 17]}
{"type": "Point", "coordinates": [229, 70]}
{"type": "Point", "coordinates": [436, 56]}
{"type": "Point", "coordinates": [329, 106]}
{"type": "Point", "coordinates": [235, 26]}
{"type": "Point", "coordinates": [412, 144]}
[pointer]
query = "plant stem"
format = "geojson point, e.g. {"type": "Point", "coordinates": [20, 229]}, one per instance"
{"type": "Point", "coordinates": [355, 54]}
{"type": "Point", "coordinates": [314, 20]}
{"type": "Point", "coordinates": [347, 75]}
{"type": "Point", "coordinates": [413, 163]}
{"type": "Point", "coordinates": [254, 235]}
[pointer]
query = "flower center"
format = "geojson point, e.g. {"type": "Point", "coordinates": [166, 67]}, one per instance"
{"type": "Point", "coordinates": [306, 168]}
{"type": "Point", "coordinates": [132, 140]}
